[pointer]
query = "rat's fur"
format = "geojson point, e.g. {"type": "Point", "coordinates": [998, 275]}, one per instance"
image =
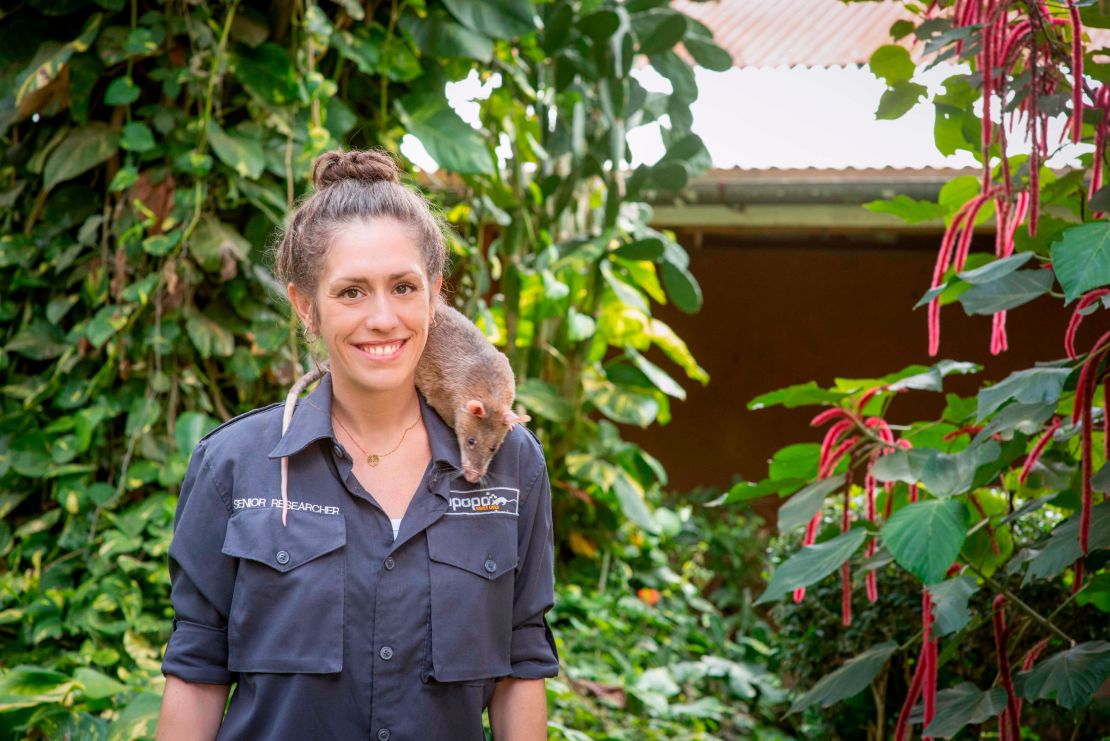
{"type": "Point", "coordinates": [470, 384]}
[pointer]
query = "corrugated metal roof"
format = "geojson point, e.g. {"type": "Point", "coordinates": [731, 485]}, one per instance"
{"type": "Point", "coordinates": [812, 33]}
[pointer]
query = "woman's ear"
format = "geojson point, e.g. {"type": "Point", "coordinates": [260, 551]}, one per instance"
{"type": "Point", "coordinates": [302, 304]}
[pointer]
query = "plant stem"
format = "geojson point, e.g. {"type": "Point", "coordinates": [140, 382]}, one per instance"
{"type": "Point", "coordinates": [1036, 616]}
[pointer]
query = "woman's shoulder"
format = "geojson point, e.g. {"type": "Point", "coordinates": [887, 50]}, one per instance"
{"type": "Point", "coordinates": [246, 433]}
{"type": "Point", "coordinates": [527, 449]}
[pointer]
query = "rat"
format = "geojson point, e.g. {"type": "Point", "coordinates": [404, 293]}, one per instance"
{"type": "Point", "coordinates": [465, 379]}
{"type": "Point", "coordinates": [470, 384]}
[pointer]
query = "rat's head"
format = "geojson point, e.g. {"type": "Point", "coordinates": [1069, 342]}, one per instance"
{"type": "Point", "coordinates": [481, 431]}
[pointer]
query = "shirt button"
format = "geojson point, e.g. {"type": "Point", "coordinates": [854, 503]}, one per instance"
{"type": "Point", "coordinates": [386, 653]}
{"type": "Point", "coordinates": [490, 565]}
{"type": "Point", "coordinates": [282, 557]}
{"type": "Point", "coordinates": [383, 734]}
{"type": "Point", "coordinates": [389, 563]}
{"type": "Point", "coordinates": [339, 451]}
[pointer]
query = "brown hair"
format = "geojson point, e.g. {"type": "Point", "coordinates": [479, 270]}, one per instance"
{"type": "Point", "coordinates": [352, 186]}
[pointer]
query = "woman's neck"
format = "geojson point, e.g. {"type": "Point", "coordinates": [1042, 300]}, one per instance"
{"type": "Point", "coordinates": [375, 419]}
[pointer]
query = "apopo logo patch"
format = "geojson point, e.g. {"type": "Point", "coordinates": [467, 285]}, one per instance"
{"type": "Point", "coordinates": [496, 500]}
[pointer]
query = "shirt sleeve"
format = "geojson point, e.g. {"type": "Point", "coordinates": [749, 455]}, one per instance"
{"type": "Point", "coordinates": [202, 579]}
{"type": "Point", "coordinates": [533, 654]}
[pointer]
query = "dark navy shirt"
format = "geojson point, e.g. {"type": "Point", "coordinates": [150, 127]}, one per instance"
{"type": "Point", "coordinates": [330, 627]}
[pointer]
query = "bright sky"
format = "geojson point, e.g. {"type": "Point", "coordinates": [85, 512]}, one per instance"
{"type": "Point", "coordinates": [796, 117]}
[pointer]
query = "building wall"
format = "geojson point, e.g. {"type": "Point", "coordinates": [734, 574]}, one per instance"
{"type": "Point", "coordinates": [777, 313]}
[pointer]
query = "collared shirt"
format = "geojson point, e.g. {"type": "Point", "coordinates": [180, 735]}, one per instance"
{"type": "Point", "coordinates": [330, 626]}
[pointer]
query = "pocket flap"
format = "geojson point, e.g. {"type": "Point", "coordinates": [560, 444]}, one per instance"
{"type": "Point", "coordinates": [484, 546]}
{"type": "Point", "coordinates": [258, 534]}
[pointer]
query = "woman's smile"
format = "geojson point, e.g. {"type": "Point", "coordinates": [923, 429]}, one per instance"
{"type": "Point", "coordinates": [384, 351]}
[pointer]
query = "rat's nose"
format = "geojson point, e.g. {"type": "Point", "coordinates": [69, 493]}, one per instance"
{"type": "Point", "coordinates": [473, 475]}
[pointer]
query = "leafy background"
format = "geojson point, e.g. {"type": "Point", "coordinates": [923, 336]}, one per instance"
{"type": "Point", "coordinates": [153, 148]}
{"type": "Point", "coordinates": [151, 151]}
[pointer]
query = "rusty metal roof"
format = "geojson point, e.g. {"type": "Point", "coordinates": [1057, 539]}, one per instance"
{"type": "Point", "coordinates": [812, 33]}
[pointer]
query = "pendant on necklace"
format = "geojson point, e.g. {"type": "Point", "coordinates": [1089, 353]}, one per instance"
{"type": "Point", "coordinates": [373, 460]}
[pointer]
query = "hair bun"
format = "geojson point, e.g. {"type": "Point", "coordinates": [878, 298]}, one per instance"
{"type": "Point", "coordinates": [365, 165]}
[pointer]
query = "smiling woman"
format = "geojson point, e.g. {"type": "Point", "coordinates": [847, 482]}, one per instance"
{"type": "Point", "coordinates": [364, 591]}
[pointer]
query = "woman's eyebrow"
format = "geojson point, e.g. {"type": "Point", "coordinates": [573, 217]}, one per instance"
{"type": "Point", "coordinates": [362, 280]}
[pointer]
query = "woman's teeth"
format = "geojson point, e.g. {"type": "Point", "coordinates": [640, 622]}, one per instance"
{"type": "Point", "coordinates": [381, 350]}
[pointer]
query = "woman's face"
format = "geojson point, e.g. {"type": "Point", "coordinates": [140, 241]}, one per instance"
{"type": "Point", "coordinates": [373, 304]}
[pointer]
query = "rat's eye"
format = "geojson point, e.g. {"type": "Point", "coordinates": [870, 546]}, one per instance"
{"type": "Point", "coordinates": [493, 450]}
{"type": "Point", "coordinates": [471, 441]}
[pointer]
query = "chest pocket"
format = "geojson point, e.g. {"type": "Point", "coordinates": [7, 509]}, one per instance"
{"type": "Point", "coordinates": [287, 610]}
{"type": "Point", "coordinates": [472, 561]}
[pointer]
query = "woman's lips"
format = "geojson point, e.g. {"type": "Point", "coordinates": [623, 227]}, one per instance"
{"type": "Point", "coordinates": [382, 351]}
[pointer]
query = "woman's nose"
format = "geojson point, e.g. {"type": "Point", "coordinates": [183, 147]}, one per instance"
{"type": "Point", "coordinates": [380, 314]}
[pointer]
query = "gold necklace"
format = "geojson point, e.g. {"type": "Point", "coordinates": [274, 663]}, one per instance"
{"type": "Point", "coordinates": [372, 459]}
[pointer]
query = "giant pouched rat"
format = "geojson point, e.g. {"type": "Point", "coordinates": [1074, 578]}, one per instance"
{"type": "Point", "coordinates": [470, 384]}
{"type": "Point", "coordinates": [464, 378]}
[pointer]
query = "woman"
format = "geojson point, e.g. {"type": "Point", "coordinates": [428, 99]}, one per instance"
{"type": "Point", "coordinates": [383, 607]}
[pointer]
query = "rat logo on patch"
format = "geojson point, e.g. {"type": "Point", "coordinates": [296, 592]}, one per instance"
{"type": "Point", "coordinates": [495, 500]}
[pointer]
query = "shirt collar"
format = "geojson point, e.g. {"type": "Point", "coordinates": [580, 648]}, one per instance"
{"type": "Point", "coordinates": [312, 421]}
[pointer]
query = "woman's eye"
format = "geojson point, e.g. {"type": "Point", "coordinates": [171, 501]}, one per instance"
{"type": "Point", "coordinates": [471, 441]}
{"type": "Point", "coordinates": [349, 293]}
{"type": "Point", "coordinates": [405, 288]}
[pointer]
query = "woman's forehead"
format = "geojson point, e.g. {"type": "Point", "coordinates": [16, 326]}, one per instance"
{"type": "Point", "coordinates": [376, 248]}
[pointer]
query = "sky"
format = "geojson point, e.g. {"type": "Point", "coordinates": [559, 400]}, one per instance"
{"type": "Point", "coordinates": [782, 118]}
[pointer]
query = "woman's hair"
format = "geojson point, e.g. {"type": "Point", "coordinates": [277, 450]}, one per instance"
{"type": "Point", "coordinates": [359, 185]}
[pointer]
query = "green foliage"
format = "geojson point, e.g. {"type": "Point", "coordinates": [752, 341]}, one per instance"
{"type": "Point", "coordinates": [926, 537]}
{"type": "Point", "coordinates": [151, 155]}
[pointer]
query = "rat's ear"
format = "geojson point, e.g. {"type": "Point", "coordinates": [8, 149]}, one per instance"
{"type": "Point", "coordinates": [510, 418]}
{"type": "Point", "coordinates": [477, 408]}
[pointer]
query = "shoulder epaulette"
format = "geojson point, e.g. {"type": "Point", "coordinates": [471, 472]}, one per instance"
{"type": "Point", "coordinates": [244, 415]}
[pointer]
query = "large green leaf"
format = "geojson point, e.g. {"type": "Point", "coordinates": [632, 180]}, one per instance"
{"type": "Point", "coordinates": [268, 72]}
{"type": "Point", "coordinates": [440, 36]}
{"type": "Point", "coordinates": [450, 141]}
{"type": "Point", "coordinates": [542, 399]}
{"type": "Point", "coordinates": [631, 497]}
{"type": "Point", "coordinates": [892, 63]}
{"type": "Point", "coordinates": [812, 564]}
{"type": "Point", "coordinates": [995, 269]}
{"type": "Point", "coordinates": [658, 31]}
{"type": "Point", "coordinates": [926, 537]}
{"type": "Point", "coordinates": [499, 19]}
{"type": "Point", "coordinates": [51, 58]}
{"type": "Point", "coordinates": [1072, 676]}
{"type": "Point", "coordinates": [1008, 292]}
{"type": "Point", "coordinates": [943, 474]}
{"type": "Point", "coordinates": [95, 685]}
{"type": "Point", "coordinates": [1031, 386]}
{"type": "Point", "coordinates": [1081, 258]}
{"type": "Point", "coordinates": [1062, 548]}
{"type": "Point", "coordinates": [39, 340]}
{"type": "Point", "coordinates": [707, 54]}
{"type": "Point", "coordinates": [950, 603]}
{"type": "Point", "coordinates": [27, 686]}
{"type": "Point", "coordinates": [82, 150]}
{"type": "Point", "coordinates": [805, 394]}
{"type": "Point", "coordinates": [745, 490]}
{"type": "Point", "coordinates": [682, 287]}
{"type": "Point", "coordinates": [907, 209]}
{"type": "Point", "coordinates": [898, 100]}
{"type": "Point", "coordinates": [957, 706]}
{"type": "Point", "coordinates": [803, 505]}
{"type": "Point", "coordinates": [242, 154]}
{"type": "Point", "coordinates": [927, 379]}
{"type": "Point", "coordinates": [852, 677]}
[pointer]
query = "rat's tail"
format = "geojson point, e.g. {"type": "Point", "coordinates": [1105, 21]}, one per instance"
{"type": "Point", "coordinates": [290, 404]}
